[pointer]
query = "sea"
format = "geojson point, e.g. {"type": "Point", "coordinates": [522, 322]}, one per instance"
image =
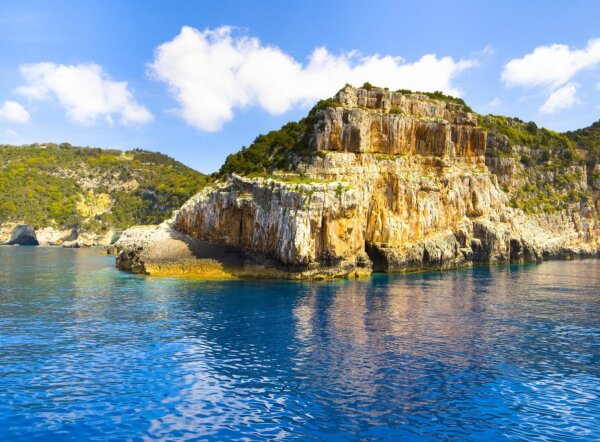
{"type": "Point", "coordinates": [88, 352]}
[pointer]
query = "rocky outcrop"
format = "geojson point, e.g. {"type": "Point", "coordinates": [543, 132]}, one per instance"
{"type": "Point", "coordinates": [396, 182]}
{"type": "Point", "coordinates": [293, 223]}
{"type": "Point", "coordinates": [417, 127]}
{"type": "Point", "coordinates": [13, 234]}
{"type": "Point", "coordinates": [49, 236]}
{"type": "Point", "coordinates": [162, 250]}
{"type": "Point", "coordinates": [5, 232]}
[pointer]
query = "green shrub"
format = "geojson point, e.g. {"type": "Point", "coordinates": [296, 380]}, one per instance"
{"type": "Point", "coordinates": [517, 132]}
{"type": "Point", "coordinates": [368, 86]}
{"type": "Point", "coordinates": [329, 102]}
{"type": "Point", "coordinates": [274, 150]}
{"type": "Point", "coordinates": [531, 127]}
{"type": "Point", "coordinates": [526, 160]}
{"type": "Point", "coordinates": [545, 156]}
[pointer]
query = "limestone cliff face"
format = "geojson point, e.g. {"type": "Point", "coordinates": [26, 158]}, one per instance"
{"type": "Point", "coordinates": [397, 182]}
{"type": "Point", "coordinates": [417, 126]}
{"type": "Point", "coordinates": [297, 225]}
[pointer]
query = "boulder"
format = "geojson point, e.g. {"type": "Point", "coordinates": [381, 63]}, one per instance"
{"type": "Point", "coordinates": [50, 236]}
{"type": "Point", "coordinates": [75, 244]}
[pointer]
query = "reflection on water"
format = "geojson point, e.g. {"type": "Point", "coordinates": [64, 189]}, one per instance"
{"type": "Point", "coordinates": [486, 353]}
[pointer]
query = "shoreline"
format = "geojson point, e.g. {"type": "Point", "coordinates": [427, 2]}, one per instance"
{"type": "Point", "coordinates": [246, 275]}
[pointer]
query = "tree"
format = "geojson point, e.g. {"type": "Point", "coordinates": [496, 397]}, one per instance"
{"type": "Point", "coordinates": [8, 209]}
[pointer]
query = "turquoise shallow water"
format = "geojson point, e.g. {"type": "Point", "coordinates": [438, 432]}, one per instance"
{"type": "Point", "coordinates": [503, 353]}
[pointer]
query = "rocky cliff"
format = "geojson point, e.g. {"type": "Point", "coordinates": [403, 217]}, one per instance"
{"type": "Point", "coordinates": [381, 181]}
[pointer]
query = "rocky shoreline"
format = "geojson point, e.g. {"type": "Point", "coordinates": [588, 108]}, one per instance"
{"type": "Point", "coordinates": [24, 234]}
{"type": "Point", "coordinates": [163, 251]}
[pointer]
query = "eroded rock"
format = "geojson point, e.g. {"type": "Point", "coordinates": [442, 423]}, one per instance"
{"type": "Point", "coordinates": [23, 235]}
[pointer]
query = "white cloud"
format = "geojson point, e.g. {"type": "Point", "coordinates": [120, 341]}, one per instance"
{"type": "Point", "coordinates": [14, 112]}
{"type": "Point", "coordinates": [495, 102]}
{"type": "Point", "coordinates": [561, 98]}
{"type": "Point", "coordinates": [212, 73]}
{"type": "Point", "coordinates": [551, 66]}
{"type": "Point", "coordinates": [488, 50]}
{"type": "Point", "coordinates": [84, 91]}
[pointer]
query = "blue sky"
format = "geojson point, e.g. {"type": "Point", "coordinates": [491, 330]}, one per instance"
{"type": "Point", "coordinates": [198, 80]}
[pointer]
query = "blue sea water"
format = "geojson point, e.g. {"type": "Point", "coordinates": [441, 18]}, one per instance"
{"type": "Point", "coordinates": [502, 353]}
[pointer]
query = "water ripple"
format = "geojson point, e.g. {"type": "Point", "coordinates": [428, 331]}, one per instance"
{"type": "Point", "coordinates": [506, 353]}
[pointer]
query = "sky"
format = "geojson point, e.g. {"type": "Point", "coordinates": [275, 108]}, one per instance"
{"type": "Point", "coordinates": [198, 80]}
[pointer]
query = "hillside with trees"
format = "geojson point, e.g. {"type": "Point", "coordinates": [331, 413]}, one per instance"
{"type": "Point", "coordinates": [90, 188]}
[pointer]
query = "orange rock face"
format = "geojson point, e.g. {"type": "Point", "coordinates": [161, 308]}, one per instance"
{"type": "Point", "coordinates": [363, 131]}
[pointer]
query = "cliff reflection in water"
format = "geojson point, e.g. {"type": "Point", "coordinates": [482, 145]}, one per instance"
{"type": "Point", "coordinates": [413, 339]}
{"type": "Point", "coordinates": [440, 345]}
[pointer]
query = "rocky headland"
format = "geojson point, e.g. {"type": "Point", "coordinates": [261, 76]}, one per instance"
{"type": "Point", "coordinates": [388, 182]}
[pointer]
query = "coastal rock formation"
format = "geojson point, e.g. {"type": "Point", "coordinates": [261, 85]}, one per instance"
{"type": "Point", "coordinates": [13, 233]}
{"type": "Point", "coordinates": [395, 182]}
{"type": "Point", "coordinates": [49, 236]}
{"type": "Point", "coordinates": [162, 250]}
{"type": "Point", "coordinates": [89, 239]}
{"type": "Point", "coordinates": [416, 126]}
{"type": "Point", "coordinates": [23, 235]}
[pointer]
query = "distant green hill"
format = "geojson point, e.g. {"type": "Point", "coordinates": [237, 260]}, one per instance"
{"type": "Point", "coordinates": [95, 189]}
